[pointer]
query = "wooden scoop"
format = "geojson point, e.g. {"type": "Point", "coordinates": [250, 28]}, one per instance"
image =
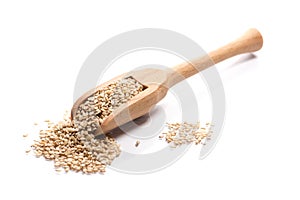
{"type": "Point", "coordinates": [158, 81]}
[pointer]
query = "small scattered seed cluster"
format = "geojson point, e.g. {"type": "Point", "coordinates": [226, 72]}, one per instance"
{"type": "Point", "coordinates": [73, 146]}
{"type": "Point", "coordinates": [184, 133]}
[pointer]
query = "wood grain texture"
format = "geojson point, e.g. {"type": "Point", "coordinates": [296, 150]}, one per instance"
{"type": "Point", "coordinates": [249, 42]}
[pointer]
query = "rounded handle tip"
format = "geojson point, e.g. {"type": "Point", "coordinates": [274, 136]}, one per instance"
{"type": "Point", "coordinates": [254, 40]}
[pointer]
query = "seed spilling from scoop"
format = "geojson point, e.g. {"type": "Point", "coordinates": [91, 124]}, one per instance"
{"type": "Point", "coordinates": [73, 146]}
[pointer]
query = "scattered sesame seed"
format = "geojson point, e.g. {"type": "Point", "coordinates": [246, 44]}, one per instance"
{"type": "Point", "coordinates": [58, 170]}
{"type": "Point", "coordinates": [137, 143]}
{"type": "Point", "coordinates": [185, 133]}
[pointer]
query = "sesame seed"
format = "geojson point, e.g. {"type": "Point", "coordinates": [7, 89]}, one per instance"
{"type": "Point", "coordinates": [137, 143]}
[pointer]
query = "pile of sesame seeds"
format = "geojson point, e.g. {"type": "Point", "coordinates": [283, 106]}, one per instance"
{"type": "Point", "coordinates": [73, 146]}
{"type": "Point", "coordinates": [185, 133]}
{"type": "Point", "coordinates": [60, 143]}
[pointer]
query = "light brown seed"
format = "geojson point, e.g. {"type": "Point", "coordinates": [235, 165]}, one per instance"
{"type": "Point", "coordinates": [58, 169]}
{"type": "Point", "coordinates": [137, 143]}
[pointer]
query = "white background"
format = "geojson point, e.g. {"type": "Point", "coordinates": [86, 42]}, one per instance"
{"type": "Point", "coordinates": [43, 45]}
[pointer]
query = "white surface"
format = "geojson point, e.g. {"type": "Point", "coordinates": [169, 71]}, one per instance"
{"type": "Point", "coordinates": [42, 47]}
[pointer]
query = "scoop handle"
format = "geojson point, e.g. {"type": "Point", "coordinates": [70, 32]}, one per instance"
{"type": "Point", "coordinates": [250, 41]}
